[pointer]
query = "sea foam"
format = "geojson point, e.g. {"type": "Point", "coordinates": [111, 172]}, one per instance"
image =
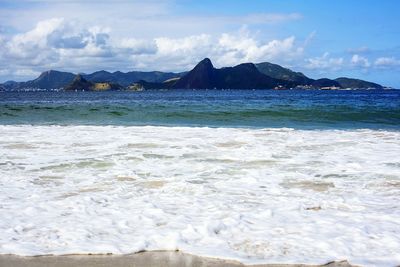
{"type": "Point", "coordinates": [255, 195]}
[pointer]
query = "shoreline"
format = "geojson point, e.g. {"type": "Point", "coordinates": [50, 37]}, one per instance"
{"type": "Point", "coordinates": [147, 258]}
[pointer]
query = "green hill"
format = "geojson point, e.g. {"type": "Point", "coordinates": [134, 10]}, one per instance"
{"type": "Point", "coordinates": [357, 84]}
{"type": "Point", "coordinates": [278, 72]}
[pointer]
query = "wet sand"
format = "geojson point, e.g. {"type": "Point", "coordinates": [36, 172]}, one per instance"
{"type": "Point", "coordinates": [143, 259]}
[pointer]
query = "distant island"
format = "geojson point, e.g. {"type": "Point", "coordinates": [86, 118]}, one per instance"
{"type": "Point", "coordinates": [203, 76]}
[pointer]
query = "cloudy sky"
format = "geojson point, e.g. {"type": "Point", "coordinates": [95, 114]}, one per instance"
{"type": "Point", "coordinates": [358, 38]}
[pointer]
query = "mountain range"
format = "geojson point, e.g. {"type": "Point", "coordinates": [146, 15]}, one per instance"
{"type": "Point", "coordinates": [203, 76]}
{"type": "Point", "coordinates": [243, 76]}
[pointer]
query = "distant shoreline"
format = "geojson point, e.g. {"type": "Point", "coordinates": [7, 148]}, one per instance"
{"type": "Point", "coordinates": [204, 75]}
{"type": "Point", "coordinates": [210, 89]}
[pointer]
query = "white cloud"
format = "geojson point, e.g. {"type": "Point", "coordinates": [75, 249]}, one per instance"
{"type": "Point", "coordinates": [52, 43]}
{"type": "Point", "coordinates": [32, 46]}
{"type": "Point", "coordinates": [386, 62]}
{"type": "Point", "coordinates": [4, 72]}
{"type": "Point", "coordinates": [183, 45]}
{"type": "Point", "coordinates": [360, 61]}
{"type": "Point", "coordinates": [324, 62]}
{"type": "Point", "coordinates": [26, 73]}
{"type": "Point", "coordinates": [180, 53]}
{"type": "Point", "coordinates": [141, 19]}
{"type": "Point", "coordinates": [134, 34]}
{"type": "Point", "coordinates": [225, 50]}
{"type": "Point", "coordinates": [236, 48]}
{"type": "Point", "coordinates": [57, 44]}
{"type": "Point", "coordinates": [359, 50]}
{"type": "Point", "coordinates": [23, 74]}
{"type": "Point", "coordinates": [309, 38]}
{"type": "Point", "coordinates": [136, 46]}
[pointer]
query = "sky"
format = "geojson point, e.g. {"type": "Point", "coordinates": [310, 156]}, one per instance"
{"type": "Point", "coordinates": [353, 38]}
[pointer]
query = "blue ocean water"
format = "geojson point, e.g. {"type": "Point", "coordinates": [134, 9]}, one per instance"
{"type": "Point", "coordinates": [212, 108]}
{"type": "Point", "coordinates": [286, 176]}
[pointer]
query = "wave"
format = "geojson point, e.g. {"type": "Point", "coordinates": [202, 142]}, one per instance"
{"type": "Point", "coordinates": [256, 195]}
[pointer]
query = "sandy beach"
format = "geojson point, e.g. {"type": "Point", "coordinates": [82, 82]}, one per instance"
{"type": "Point", "coordinates": [143, 259]}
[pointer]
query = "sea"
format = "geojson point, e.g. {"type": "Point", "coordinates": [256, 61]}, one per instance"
{"type": "Point", "coordinates": [258, 176]}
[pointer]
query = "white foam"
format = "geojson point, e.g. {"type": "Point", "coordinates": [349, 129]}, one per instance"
{"type": "Point", "coordinates": [259, 196]}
